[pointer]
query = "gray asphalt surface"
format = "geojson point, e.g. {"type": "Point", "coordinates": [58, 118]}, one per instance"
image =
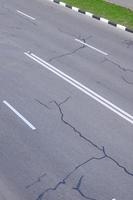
{"type": "Point", "coordinates": [80, 148]}
{"type": "Point", "coordinates": [125, 3]}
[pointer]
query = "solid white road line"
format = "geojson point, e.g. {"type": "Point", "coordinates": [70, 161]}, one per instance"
{"type": "Point", "coordinates": [19, 115]}
{"type": "Point", "coordinates": [82, 88]}
{"type": "Point", "coordinates": [98, 50]}
{"type": "Point", "coordinates": [18, 11]}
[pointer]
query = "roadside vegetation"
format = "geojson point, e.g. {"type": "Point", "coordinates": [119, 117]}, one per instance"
{"type": "Point", "coordinates": [101, 8]}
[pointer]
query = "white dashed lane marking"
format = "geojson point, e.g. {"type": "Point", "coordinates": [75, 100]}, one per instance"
{"type": "Point", "coordinates": [19, 115]}
{"type": "Point", "coordinates": [28, 16]}
{"type": "Point", "coordinates": [91, 47]}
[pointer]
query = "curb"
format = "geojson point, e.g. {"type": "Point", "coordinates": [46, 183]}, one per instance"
{"type": "Point", "coordinates": [119, 26]}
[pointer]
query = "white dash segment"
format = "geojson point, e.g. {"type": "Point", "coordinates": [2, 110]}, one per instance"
{"type": "Point", "coordinates": [82, 88]}
{"type": "Point", "coordinates": [22, 13]}
{"type": "Point", "coordinates": [91, 47]}
{"type": "Point", "coordinates": [19, 115]}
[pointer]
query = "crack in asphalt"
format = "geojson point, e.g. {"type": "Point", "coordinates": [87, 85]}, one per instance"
{"type": "Point", "coordinates": [39, 179]}
{"type": "Point", "coordinates": [116, 64]}
{"type": "Point", "coordinates": [72, 127]}
{"type": "Point", "coordinates": [125, 70]}
{"type": "Point", "coordinates": [63, 102]}
{"type": "Point", "coordinates": [72, 52]}
{"type": "Point", "coordinates": [128, 82]}
{"type": "Point", "coordinates": [129, 43]}
{"type": "Point", "coordinates": [66, 54]}
{"type": "Point", "coordinates": [42, 104]}
{"type": "Point", "coordinates": [84, 39]}
{"type": "Point", "coordinates": [77, 188]}
{"type": "Point", "coordinates": [117, 163]}
{"type": "Point", "coordinates": [101, 149]}
{"type": "Point", "coordinates": [78, 36]}
{"type": "Point", "coordinates": [63, 181]}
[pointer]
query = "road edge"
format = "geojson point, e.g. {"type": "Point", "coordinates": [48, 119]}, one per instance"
{"type": "Point", "coordinates": [119, 26]}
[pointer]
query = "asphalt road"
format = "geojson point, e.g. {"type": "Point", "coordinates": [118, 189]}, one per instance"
{"type": "Point", "coordinates": [66, 102]}
{"type": "Point", "coordinates": [125, 3]}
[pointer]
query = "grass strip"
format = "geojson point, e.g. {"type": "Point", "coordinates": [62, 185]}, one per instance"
{"type": "Point", "coordinates": [110, 11]}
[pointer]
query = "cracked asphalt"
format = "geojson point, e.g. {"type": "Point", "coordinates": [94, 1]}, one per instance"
{"type": "Point", "coordinates": [79, 149]}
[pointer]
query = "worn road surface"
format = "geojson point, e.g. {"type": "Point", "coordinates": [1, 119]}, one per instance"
{"type": "Point", "coordinates": [66, 105]}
